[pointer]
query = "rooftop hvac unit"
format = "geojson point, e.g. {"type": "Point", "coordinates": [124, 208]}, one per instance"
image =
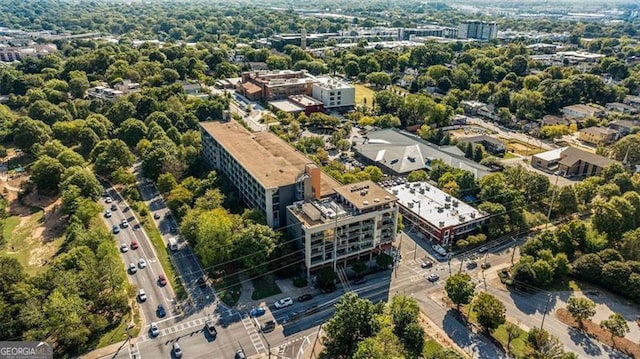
{"type": "Point", "coordinates": [440, 209]}
{"type": "Point", "coordinates": [441, 224]}
{"type": "Point", "coordinates": [455, 203]}
{"type": "Point", "coordinates": [447, 205]}
{"type": "Point", "coordinates": [472, 215]}
{"type": "Point", "coordinates": [363, 192]}
{"type": "Point", "coordinates": [410, 204]}
{"type": "Point", "coordinates": [395, 191]}
{"type": "Point", "coordinates": [407, 184]}
{"type": "Point", "coordinates": [387, 198]}
{"type": "Point", "coordinates": [413, 190]}
{"type": "Point", "coordinates": [447, 198]}
{"type": "Point", "coordinates": [421, 190]}
{"type": "Point", "coordinates": [376, 200]}
{"type": "Point", "coordinates": [462, 218]}
{"type": "Point", "coordinates": [366, 203]}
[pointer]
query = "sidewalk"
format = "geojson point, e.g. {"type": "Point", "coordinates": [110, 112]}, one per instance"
{"type": "Point", "coordinates": [287, 289]}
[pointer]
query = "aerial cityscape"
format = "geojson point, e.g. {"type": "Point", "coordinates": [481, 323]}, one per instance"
{"type": "Point", "coordinates": [374, 179]}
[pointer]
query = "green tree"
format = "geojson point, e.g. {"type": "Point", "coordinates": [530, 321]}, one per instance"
{"type": "Point", "coordinates": [326, 278]}
{"type": "Point", "coordinates": [375, 173]}
{"type": "Point", "coordinates": [352, 69]}
{"type": "Point", "coordinates": [581, 308]}
{"type": "Point", "coordinates": [418, 176]}
{"type": "Point", "coordinates": [47, 112]}
{"type": "Point", "coordinates": [460, 289]}
{"type": "Point", "coordinates": [68, 158]}
{"type": "Point", "coordinates": [254, 244]}
{"type": "Point", "coordinates": [544, 344]}
{"type": "Point", "coordinates": [166, 183]}
{"type": "Point", "coordinates": [84, 179]}
{"type": "Point", "coordinates": [490, 312]}
{"type": "Point", "coordinates": [379, 79]}
{"type": "Point", "coordinates": [353, 321]}
{"type": "Point", "coordinates": [28, 132]}
{"type": "Point", "coordinates": [214, 235]}
{"type": "Point", "coordinates": [78, 86]}
{"type": "Point", "coordinates": [513, 332]}
{"type": "Point", "coordinates": [131, 131]}
{"type": "Point", "coordinates": [359, 266]}
{"type": "Point", "coordinates": [46, 172]}
{"type": "Point", "coordinates": [616, 325]}
{"type": "Point", "coordinates": [110, 155]}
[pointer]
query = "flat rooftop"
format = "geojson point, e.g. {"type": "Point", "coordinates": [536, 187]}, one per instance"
{"type": "Point", "coordinates": [363, 195]}
{"type": "Point", "coordinates": [434, 205]}
{"type": "Point", "coordinates": [552, 155]}
{"type": "Point", "coordinates": [286, 106]}
{"type": "Point", "coordinates": [270, 160]}
{"type": "Point", "coordinates": [305, 100]}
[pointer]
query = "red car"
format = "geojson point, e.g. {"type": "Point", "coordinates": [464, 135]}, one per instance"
{"type": "Point", "coordinates": [162, 280]}
{"type": "Point", "coordinates": [134, 245]}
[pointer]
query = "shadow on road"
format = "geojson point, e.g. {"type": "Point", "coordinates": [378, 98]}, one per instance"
{"type": "Point", "coordinates": [464, 337]}
{"type": "Point", "coordinates": [585, 342]}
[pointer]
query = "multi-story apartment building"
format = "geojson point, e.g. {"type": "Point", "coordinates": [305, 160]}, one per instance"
{"type": "Point", "coordinates": [274, 85]}
{"type": "Point", "coordinates": [479, 30]}
{"type": "Point", "coordinates": [334, 94]}
{"type": "Point", "coordinates": [357, 221]}
{"type": "Point", "coordinates": [268, 173]}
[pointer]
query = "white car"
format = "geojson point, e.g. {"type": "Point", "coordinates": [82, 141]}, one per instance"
{"type": "Point", "coordinates": [154, 330]}
{"type": "Point", "coordinates": [142, 296]}
{"type": "Point", "coordinates": [107, 214]}
{"type": "Point", "coordinates": [124, 223]}
{"type": "Point", "coordinates": [142, 263]}
{"type": "Point", "coordinates": [132, 268]}
{"type": "Point", "coordinates": [124, 247]}
{"type": "Point", "coordinates": [108, 200]}
{"type": "Point", "coordinates": [284, 302]}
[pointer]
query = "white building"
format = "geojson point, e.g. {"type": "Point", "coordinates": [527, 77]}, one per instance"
{"type": "Point", "coordinates": [479, 30]}
{"type": "Point", "coordinates": [334, 94]}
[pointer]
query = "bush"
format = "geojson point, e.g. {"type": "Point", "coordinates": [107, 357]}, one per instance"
{"type": "Point", "coordinates": [300, 282]}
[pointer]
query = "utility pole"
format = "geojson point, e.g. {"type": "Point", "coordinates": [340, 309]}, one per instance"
{"type": "Point", "coordinates": [553, 197]}
{"type": "Point", "coordinates": [546, 307]}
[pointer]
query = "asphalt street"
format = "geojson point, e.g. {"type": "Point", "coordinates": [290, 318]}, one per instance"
{"type": "Point", "coordinates": [144, 278]}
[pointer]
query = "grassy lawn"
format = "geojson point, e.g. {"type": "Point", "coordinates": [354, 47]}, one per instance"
{"type": "Point", "coordinates": [518, 347]}
{"type": "Point", "coordinates": [32, 252]}
{"type": "Point", "coordinates": [431, 347]}
{"type": "Point", "coordinates": [509, 155]}
{"type": "Point", "coordinates": [163, 255]}
{"type": "Point", "coordinates": [229, 289]}
{"type": "Point", "coordinates": [264, 287]}
{"type": "Point", "coordinates": [363, 92]}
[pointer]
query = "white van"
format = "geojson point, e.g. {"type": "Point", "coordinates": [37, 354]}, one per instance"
{"type": "Point", "coordinates": [173, 243]}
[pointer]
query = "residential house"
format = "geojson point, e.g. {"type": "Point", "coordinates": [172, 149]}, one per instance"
{"type": "Point", "coordinates": [551, 120]}
{"type": "Point", "coordinates": [622, 108]}
{"type": "Point", "coordinates": [191, 88]}
{"type": "Point", "coordinates": [624, 127]}
{"type": "Point", "coordinates": [580, 111]}
{"type": "Point", "coordinates": [490, 144]}
{"type": "Point", "coordinates": [598, 135]}
{"type": "Point", "coordinates": [632, 101]}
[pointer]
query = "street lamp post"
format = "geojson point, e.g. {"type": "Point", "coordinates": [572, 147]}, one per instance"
{"type": "Point", "coordinates": [546, 307]}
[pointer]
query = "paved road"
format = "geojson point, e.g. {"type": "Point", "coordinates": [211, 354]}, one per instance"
{"type": "Point", "coordinates": [184, 260]}
{"type": "Point", "coordinates": [144, 278]}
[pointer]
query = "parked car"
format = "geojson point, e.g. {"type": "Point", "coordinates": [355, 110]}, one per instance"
{"type": "Point", "coordinates": [123, 247]}
{"type": "Point", "coordinates": [472, 265]}
{"type": "Point", "coordinates": [268, 326]}
{"type": "Point", "coordinates": [107, 214]}
{"type": "Point", "coordinates": [160, 311]}
{"type": "Point", "coordinates": [284, 302]}
{"type": "Point", "coordinates": [124, 223]}
{"type": "Point", "coordinates": [134, 244]}
{"type": "Point", "coordinates": [256, 312]}
{"type": "Point", "coordinates": [154, 330]}
{"type": "Point", "coordinates": [482, 249]}
{"type": "Point", "coordinates": [240, 355]}
{"type": "Point", "coordinates": [156, 216]}
{"type": "Point", "coordinates": [177, 351]}
{"type": "Point", "coordinates": [433, 277]}
{"type": "Point", "coordinates": [108, 200]}
{"type": "Point", "coordinates": [211, 328]}
{"type": "Point", "coordinates": [142, 295]}
{"type": "Point", "coordinates": [426, 264]}
{"type": "Point", "coordinates": [305, 297]}
{"type": "Point", "coordinates": [114, 207]}
{"type": "Point", "coordinates": [162, 280]}
{"type": "Point", "coordinates": [132, 268]}
{"type": "Point", "coordinates": [360, 280]}
{"type": "Point", "coordinates": [142, 263]}
{"type": "Point", "coordinates": [115, 229]}
{"type": "Point", "coordinates": [485, 265]}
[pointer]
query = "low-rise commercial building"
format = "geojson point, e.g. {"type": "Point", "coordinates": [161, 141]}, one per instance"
{"type": "Point", "coordinates": [440, 217]}
{"type": "Point", "coordinates": [571, 161]}
{"type": "Point", "coordinates": [357, 221]}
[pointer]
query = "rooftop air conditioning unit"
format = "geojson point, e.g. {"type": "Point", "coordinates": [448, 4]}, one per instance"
{"type": "Point", "coordinates": [421, 190]}
{"type": "Point", "coordinates": [440, 209]}
{"type": "Point", "coordinates": [395, 191]}
{"type": "Point", "coordinates": [447, 198]}
{"type": "Point", "coordinates": [441, 224]}
{"type": "Point", "coordinates": [472, 215]}
{"type": "Point", "coordinates": [387, 198]}
{"type": "Point", "coordinates": [366, 203]}
{"type": "Point", "coordinates": [462, 218]}
{"type": "Point", "coordinates": [447, 205]}
{"type": "Point", "coordinates": [407, 184]}
{"type": "Point", "coordinates": [410, 204]}
{"type": "Point", "coordinates": [376, 200]}
{"type": "Point", "coordinates": [413, 190]}
{"type": "Point", "coordinates": [455, 203]}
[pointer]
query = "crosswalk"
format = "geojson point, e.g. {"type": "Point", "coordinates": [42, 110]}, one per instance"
{"type": "Point", "coordinates": [254, 336]}
{"type": "Point", "coordinates": [195, 323]}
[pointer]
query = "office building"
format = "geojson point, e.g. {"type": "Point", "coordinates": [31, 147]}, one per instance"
{"type": "Point", "coordinates": [479, 30]}
{"type": "Point", "coordinates": [440, 217]}
{"type": "Point", "coordinates": [334, 94]}
{"type": "Point", "coordinates": [268, 173]}
{"type": "Point", "coordinates": [571, 161]}
{"type": "Point", "coordinates": [357, 221]}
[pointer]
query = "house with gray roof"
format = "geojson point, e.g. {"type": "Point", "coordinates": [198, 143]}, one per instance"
{"type": "Point", "coordinates": [398, 152]}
